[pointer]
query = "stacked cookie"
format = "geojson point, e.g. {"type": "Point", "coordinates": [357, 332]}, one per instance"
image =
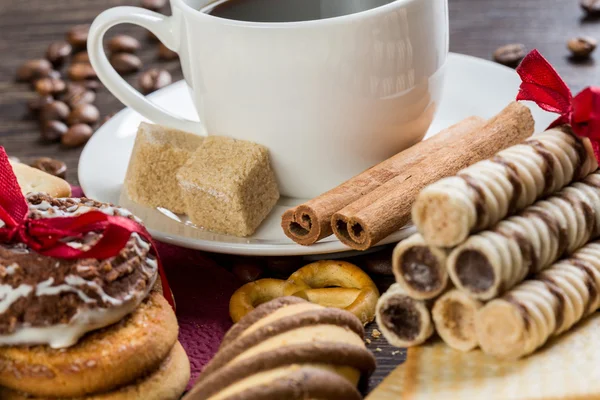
{"type": "Point", "coordinates": [86, 328]}
{"type": "Point", "coordinates": [484, 231]}
{"type": "Point", "coordinates": [288, 349]}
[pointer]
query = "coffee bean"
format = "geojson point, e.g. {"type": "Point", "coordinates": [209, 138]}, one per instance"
{"type": "Point", "coordinates": [247, 271]}
{"type": "Point", "coordinates": [510, 55]}
{"type": "Point", "coordinates": [51, 166]}
{"type": "Point", "coordinates": [50, 86]}
{"type": "Point", "coordinates": [582, 46]}
{"type": "Point", "coordinates": [154, 79]}
{"type": "Point", "coordinates": [58, 52]}
{"type": "Point", "coordinates": [38, 102]}
{"type": "Point", "coordinates": [92, 85]}
{"type": "Point", "coordinates": [57, 110]}
{"type": "Point", "coordinates": [154, 5]}
{"type": "Point", "coordinates": [81, 57]}
{"type": "Point", "coordinates": [82, 71]}
{"type": "Point", "coordinates": [164, 53]}
{"type": "Point", "coordinates": [78, 94]}
{"type": "Point", "coordinates": [125, 63]}
{"type": "Point", "coordinates": [77, 36]}
{"type": "Point", "coordinates": [34, 69]}
{"type": "Point", "coordinates": [592, 7]}
{"type": "Point", "coordinates": [84, 114]}
{"type": "Point", "coordinates": [53, 131]}
{"type": "Point", "coordinates": [123, 44]}
{"type": "Point", "coordinates": [77, 135]}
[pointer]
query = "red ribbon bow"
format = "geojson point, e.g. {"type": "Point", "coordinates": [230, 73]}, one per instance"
{"type": "Point", "coordinates": [45, 235]}
{"type": "Point", "coordinates": [543, 85]}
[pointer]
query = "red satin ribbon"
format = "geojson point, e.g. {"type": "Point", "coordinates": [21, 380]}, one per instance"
{"type": "Point", "coordinates": [543, 85]}
{"type": "Point", "coordinates": [45, 235]}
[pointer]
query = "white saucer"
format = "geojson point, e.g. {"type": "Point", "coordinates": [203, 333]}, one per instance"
{"type": "Point", "coordinates": [473, 87]}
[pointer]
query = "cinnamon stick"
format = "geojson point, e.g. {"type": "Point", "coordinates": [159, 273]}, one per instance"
{"type": "Point", "coordinates": [310, 222]}
{"type": "Point", "coordinates": [373, 217]}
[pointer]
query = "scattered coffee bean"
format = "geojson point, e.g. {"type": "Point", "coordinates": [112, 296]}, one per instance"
{"type": "Point", "coordinates": [38, 102]}
{"type": "Point", "coordinates": [53, 131]}
{"type": "Point", "coordinates": [164, 53]}
{"type": "Point", "coordinates": [51, 166]}
{"type": "Point", "coordinates": [77, 36]}
{"type": "Point", "coordinates": [247, 271]}
{"type": "Point", "coordinates": [78, 94]}
{"type": "Point", "coordinates": [81, 71]}
{"type": "Point", "coordinates": [84, 114]}
{"type": "Point", "coordinates": [57, 110]}
{"type": "Point", "coordinates": [125, 63]}
{"type": "Point", "coordinates": [58, 52]}
{"type": "Point", "coordinates": [123, 44]}
{"type": "Point", "coordinates": [54, 74]}
{"type": "Point", "coordinates": [77, 135]}
{"type": "Point", "coordinates": [34, 69]}
{"type": "Point", "coordinates": [154, 79]}
{"type": "Point", "coordinates": [592, 7]}
{"type": "Point", "coordinates": [510, 55]}
{"type": "Point", "coordinates": [154, 5]}
{"type": "Point", "coordinates": [582, 46]}
{"type": "Point", "coordinates": [81, 57]}
{"type": "Point", "coordinates": [50, 86]}
{"type": "Point", "coordinates": [91, 85]}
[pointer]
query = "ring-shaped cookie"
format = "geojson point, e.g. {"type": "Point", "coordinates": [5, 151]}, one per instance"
{"type": "Point", "coordinates": [333, 279]}
{"type": "Point", "coordinates": [100, 362]}
{"type": "Point", "coordinates": [329, 283]}
{"type": "Point", "coordinates": [253, 294]}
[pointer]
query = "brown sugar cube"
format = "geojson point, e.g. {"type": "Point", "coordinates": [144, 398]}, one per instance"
{"type": "Point", "coordinates": [229, 186]}
{"type": "Point", "coordinates": [158, 154]}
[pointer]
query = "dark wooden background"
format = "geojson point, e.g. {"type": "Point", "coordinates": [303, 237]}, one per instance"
{"type": "Point", "coordinates": [477, 28]}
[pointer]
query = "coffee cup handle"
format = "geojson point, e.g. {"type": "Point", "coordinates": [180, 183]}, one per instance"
{"type": "Point", "coordinates": [159, 25]}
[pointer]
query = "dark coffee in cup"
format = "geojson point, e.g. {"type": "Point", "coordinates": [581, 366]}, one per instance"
{"type": "Point", "coordinates": [288, 10]}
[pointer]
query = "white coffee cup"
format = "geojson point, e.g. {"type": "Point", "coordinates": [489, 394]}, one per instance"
{"type": "Point", "coordinates": [329, 97]}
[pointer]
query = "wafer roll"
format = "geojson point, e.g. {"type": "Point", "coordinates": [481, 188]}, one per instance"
{"type": "Point", "coordinates": [420, 269]}
{"type": "Point", "coordinates": [494, 261]}
{"type": "Point", "coordinates": [479, 196]}
{"type": "Point", "coordinates": [404, 321]}
{"type": "Point", "coordinates": [548, 305]}
{"type": "Point", "coordinates": [454, 318]}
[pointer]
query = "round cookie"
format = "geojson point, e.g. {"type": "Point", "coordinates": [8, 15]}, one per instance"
{"type": "Point", "coordinates": [167, 382]}
{"type": "Point", "coordinates": [101, 361]}
{"type": "Point", "coordinates": [55, 301]}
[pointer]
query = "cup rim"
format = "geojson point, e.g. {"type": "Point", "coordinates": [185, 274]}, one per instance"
{"type": "Point", "coordinates": [298, 24]}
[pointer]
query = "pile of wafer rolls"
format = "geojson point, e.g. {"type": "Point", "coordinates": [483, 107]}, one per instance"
{"type": "Point", "coordinates": [504, 257]}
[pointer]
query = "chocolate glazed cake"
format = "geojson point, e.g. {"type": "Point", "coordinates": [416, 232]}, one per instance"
{"type": "Point", "coordinates": [51, 301]}
{"type": "Point", "coordinates": [279, 351]}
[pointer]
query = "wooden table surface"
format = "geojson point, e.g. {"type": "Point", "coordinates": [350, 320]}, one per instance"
{"type": "Point", "coordinates": [477, 28]}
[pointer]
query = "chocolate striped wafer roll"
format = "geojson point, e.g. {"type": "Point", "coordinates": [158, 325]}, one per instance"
{"type": "Point", "coordinates": [493, 261]}
{"type": "Point", "coordinates": [548, 305]}
{"type": "Point", "coordinates": [404, 321]}
{"type": "Point", "coordinates": [479, 196]}
{"type": "Point", "coordinates": [420, 269]}
{"type": "Point", "coordinates": [454, 318]}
